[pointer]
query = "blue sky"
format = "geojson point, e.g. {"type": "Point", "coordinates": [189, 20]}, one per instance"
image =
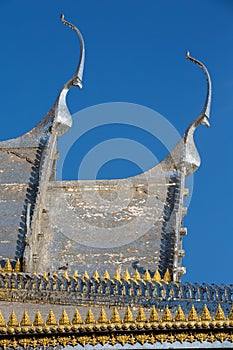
{"type": "Point", "coordinates": [136, 54]}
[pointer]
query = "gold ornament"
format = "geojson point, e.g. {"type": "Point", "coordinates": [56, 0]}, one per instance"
{"type": "Point", "coordinates": [157, 276]}
{"type": "Point", "coordinates": [90, 317]}
{"type": "Point", "coordinates": [128, 316]}
{"type": "Point", "coordinates": [141, 317]}
{"type": "Point", "coordinates": [147, 276]}
{"type": "Point", "coordinates": [51, 320]}
{"type": "Point", "coordinates": [102, 316]}
{"type": "Point", "coordinates": [77, 319]}
{"type": "Point", "coordinates": [25, 319]}
{"type": "Point", "coordinates": [64, 320]}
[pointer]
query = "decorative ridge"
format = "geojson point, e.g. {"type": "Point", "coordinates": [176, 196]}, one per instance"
{"type": "Point", "coordinates": [148, 327]}
{"type": "Point", "coordinates": [88, 287]}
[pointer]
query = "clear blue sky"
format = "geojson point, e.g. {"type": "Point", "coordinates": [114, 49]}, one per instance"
{"type": "Point", "coordinates": [135, 53]}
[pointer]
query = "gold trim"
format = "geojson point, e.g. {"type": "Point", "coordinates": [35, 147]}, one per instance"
{"type": "Point", "coordinates": [113, 339]}
{"type": "Point", "coordinates": [143, 321]}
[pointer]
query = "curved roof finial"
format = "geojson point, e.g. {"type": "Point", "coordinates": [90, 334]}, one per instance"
{"type": "Point", "coordinates": [76, 80]}
{"type": "Point", "coordinates": [63, 120]}
{"type": "Point", "coordinates": [205, 113]}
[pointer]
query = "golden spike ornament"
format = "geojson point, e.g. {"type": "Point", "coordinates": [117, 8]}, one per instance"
{"type": "Point", "coordinates": [141, 317]}
{"type": "Point", "coordinates": [179, 315]}
{"type": "Point", "coordinates": [8, 267]}
{"type": "Point", "coordinates": [167, 277]}
{"type": "Point", "coordinates": [64, 319]}
{"type": "Point", "coordinates": [25, 319]}
{"type": "Point", "coordinates": [13, 322]}
{"type": "Point", "coordinates": [230, 316]}
{"type": "Point", "coordinates": [51, 319]}
{"type": "Point", "coordinates": [154, 317]}
{"type": "Point", "coordinates": [2, 321]}
{"type": "Point", "coordinates": [117, 276]}
{"type": "Point", "coordinates": [167, 316]}
{"type": "Point", "coordinates": [102, 316]}
{"type": "Point", "coordinates": [65, 274]}
{"type": "Point", "coordinates": [193, 316]}
{"type": "Point", "coordinates": [90, 317]}
{"type": "Point", "coordinates": [106, 275]}
{"type": "Point", "coordinates": [116, 318]}
{"type": "Point", "coordinates": [85, 275]}
{"type": "Point", "coordinates": [38, 321]}
{"type": "Point", "coordinates": [136, 275]}
{"type": "Point", "coordinates": [77, 319]}
{"type": "Point", "coordinates": [219, 315]}
{"type": "Point", "coordinates": [205, 316]}
{"type": "Point", "coordinates": [128, 318]}
{"type": "Point", "coordinates": [147, 276]}
{"type": "Point", "coordinates": [126, 276]}
{"type": "Point", "coordinates": [96, 275]}
{"type": "Point", "coordinates": [45, 275]}
{"type": "Point", "coordinates": [17, 267]}
{"type": "Point", "coordinates": [157, 276]}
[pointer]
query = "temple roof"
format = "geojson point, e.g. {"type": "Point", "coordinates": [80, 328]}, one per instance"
{"type": "Point", "coordinates": [133, 223]}
{"type": "Point", "coordinates": [124, 237]}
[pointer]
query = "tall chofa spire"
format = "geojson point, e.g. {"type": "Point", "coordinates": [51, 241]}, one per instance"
{"type": "Point", "coordinates": [185, 155]}
{"type": "Point", "coordinates": [30, 162]}
{"type": "Point", "coordinates": [185, 160]}
{"type": "Point", "coordinates": [191, 159]}
{"type": "Point", "coordinates": [63, 120]}
{"type": "Point", "coordinates": [204, 116]}
{"type": "Point", "coordinates": [56, 123]}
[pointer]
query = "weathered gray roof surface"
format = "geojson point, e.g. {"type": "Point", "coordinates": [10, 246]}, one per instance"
{"type": "Point", "coordinates": [20, 160]}
{"type": "Point", "coordinates": [133, 222]}
{"type": "Point", "coordinates": [18, 186]}
{"type": "Point", "coordinates": [106, 223]}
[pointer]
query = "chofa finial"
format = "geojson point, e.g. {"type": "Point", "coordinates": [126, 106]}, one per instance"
{"type": "Point", "coordinates": [185, 154]}
{"type": "Point", "coordinates": [76, 80]}
{"type": "Point", "coordinates": [63, 120]}
{"type": "Point", "coordinates": [205, 113]}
